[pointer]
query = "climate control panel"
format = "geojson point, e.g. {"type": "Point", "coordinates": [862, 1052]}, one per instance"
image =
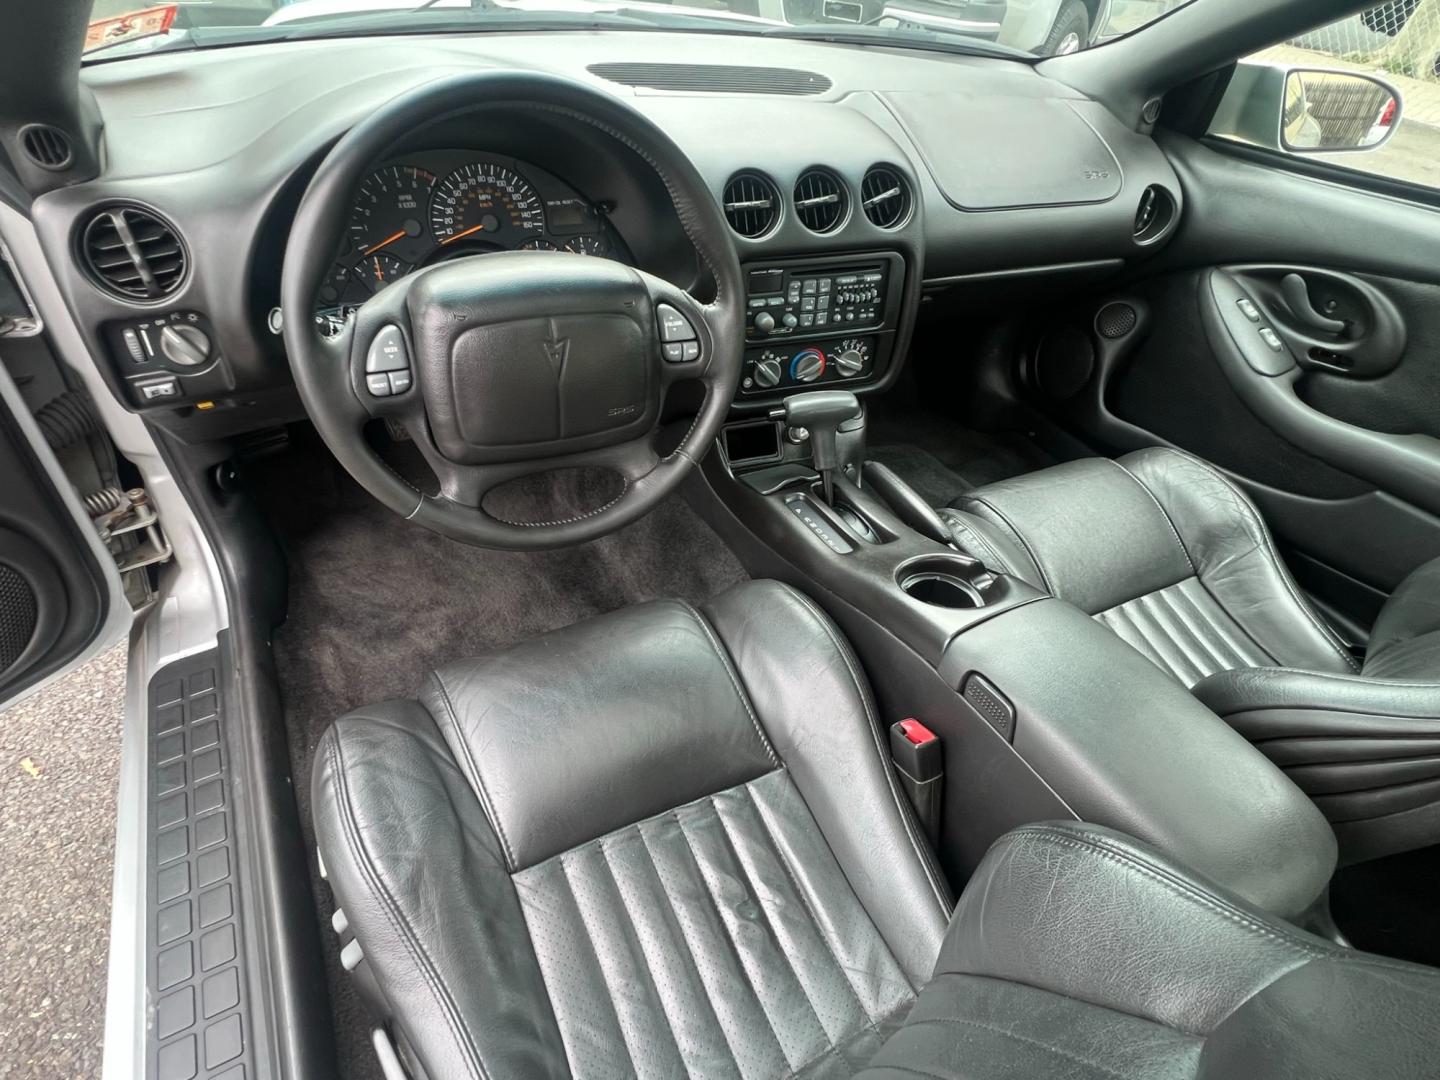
{"type": "Point", "coordinates": [776, 367]}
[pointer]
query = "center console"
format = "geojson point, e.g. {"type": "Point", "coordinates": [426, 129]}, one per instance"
{"type": "Point", "coordinates": [1043, 713]}
{"type": "Point", "coordinates": [820, 322]}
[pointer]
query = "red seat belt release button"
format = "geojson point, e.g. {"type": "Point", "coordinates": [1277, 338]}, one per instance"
{"type": "Point", "coordinates": [915, 732]}
{"type": "Point", "coordinates": [916, 750]}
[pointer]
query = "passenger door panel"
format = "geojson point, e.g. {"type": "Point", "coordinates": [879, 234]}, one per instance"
{"type": "Point", "coordinates": [1334, 425]}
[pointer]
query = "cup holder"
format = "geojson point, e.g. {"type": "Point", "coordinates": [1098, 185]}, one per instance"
{"type": "Point", "coordinates": [939, 581]}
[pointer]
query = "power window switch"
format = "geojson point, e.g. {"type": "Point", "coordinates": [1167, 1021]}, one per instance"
{"type": "Point", "coordinates": [159, 389]}
{"type": "Point", "coordinates": [1271, 339]}
{"type": "Point", "coordinates": [1248, 309]}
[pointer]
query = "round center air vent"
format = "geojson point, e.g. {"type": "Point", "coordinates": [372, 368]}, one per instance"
{"type": "Point", "coordinates": [885, 197]}
{"type": "Point", "coordinates": [820, 201]}
{"type": "Point", "coordinates": [133, 253]}
{"type": "Point", "coordinates": [752, 205]}
{"type": "Point", "coordinates": [47, 146]}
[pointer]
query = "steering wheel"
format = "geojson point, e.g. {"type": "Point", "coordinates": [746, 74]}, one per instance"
{"type": "Point", "coordinates": [506, 364]}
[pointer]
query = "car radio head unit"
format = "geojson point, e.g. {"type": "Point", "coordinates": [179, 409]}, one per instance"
{"type": "Point", "coordinates": [810, 322]}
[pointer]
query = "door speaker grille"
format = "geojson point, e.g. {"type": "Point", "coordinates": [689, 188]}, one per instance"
{"type": "Point", "coordinates": [18, 616]}
{"type": "Point", "coordinates": [1115, 320]}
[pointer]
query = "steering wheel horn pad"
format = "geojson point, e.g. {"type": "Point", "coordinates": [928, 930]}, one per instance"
{"type": "Point", "coordinates": [500, 383]}
{"type": "Point", "coordinates": [501, 365]}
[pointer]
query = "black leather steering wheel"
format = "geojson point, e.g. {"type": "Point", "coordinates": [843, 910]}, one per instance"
{"type": "Point", "coordinates": [506, 364]}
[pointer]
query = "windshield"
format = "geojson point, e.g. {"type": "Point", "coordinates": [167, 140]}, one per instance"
{"type": "Point", "coordinates": [1006, 27]}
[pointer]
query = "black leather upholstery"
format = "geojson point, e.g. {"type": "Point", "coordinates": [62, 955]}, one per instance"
{"type": "Point", "coordinates": [667, 842]}
{"type": "Point", "coordinates": [1175, 559]}
{"type": "Point", "coordinates": [1167, 552]}
{"type": "Point", "coordinates": [1077, 952]}
{"type": "Point", "coordinates": [662, 839]}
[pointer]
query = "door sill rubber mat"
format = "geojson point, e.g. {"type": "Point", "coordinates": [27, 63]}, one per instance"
{"type": "Point", "coordinates": [199, 1003]}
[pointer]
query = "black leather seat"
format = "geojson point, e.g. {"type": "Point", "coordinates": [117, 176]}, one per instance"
{"type": "Point", "coordinates": [1173, 557]}
{"type": "Point", "coordinates": [667, 842]}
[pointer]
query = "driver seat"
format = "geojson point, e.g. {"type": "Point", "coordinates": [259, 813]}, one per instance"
{"type": "Point", "coordinates": [668, 842]}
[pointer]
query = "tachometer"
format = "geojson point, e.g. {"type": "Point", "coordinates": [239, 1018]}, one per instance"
{"type": "Point", "coordinates": [483, 199]}
{"type": "Point", "coordinates": [389, 212]}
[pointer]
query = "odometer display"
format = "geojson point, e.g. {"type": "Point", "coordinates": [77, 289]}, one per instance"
{"type": "Point", "coordinates": [486, 202]}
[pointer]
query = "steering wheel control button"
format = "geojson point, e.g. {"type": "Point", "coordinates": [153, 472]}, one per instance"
{"type": "Point", "coordinates": [1248, 309]}
{"type": "Point", "coordinates": [1271, 339]}
{"type": "Point", "coordinates": [673, 351]}
{"type": "Point", "coordinates": [388, 352]}
{"type": "Point", "coordinates": [399, 382]}
{"type": "Point", "coordinates": [673, 325]}
{"type": "Point", "coordinates": [378, 384]}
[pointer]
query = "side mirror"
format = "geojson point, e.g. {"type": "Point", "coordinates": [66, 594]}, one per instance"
{"type": "Point", "coordinates": [1307, 110]}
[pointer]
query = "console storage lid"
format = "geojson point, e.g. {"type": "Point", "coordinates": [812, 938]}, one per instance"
{"type": "Point", "coordinates": [1126, 746]}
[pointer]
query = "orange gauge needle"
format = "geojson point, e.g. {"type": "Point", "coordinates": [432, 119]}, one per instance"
{"type": "Point", "coordinates": [379, 273]}
{"type": "Point", "coordinates": [388, 240]}
{"type": "Point", "coordinates": [462, 235]}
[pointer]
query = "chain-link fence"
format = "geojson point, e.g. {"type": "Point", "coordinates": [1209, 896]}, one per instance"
{"type": "Point", "coordinates": [1398, 40]}
{"type": "Point", "coordinates": [1401, 37]}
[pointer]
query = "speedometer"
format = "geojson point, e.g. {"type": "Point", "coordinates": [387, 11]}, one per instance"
{"type": "Point", "coordinates": [486, 202]}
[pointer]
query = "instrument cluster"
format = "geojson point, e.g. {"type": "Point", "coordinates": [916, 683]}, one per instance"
{"type": "Point", "coordinates": [430, 207]}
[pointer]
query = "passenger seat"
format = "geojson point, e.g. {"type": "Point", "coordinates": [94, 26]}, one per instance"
{"type": "Point", "coordinates": [1175, 559]}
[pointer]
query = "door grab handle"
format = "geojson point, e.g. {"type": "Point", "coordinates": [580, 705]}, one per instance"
{"type": "Point", "coordinates": [1297, 296]}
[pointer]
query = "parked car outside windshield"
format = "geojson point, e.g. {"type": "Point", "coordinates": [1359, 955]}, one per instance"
{"type": "Point", "coordinates": [1033, 27]}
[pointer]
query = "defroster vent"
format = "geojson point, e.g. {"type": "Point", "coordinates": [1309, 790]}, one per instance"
{"type": "Point", "coordinates": [714, 78]}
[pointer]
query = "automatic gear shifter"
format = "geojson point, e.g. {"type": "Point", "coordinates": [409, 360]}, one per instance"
{"type": "Point", "coordinates": [821, 412]}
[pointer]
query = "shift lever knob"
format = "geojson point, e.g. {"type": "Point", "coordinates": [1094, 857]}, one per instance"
{"type": "Point", "coordinates": [821, 412]}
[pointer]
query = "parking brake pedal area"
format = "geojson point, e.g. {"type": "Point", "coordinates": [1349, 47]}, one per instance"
{"type": "Point", "coordinates": [200, 1022]}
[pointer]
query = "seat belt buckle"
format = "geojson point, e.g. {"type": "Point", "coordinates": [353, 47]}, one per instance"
{"type": "Point", "coordinates": [919, 759]}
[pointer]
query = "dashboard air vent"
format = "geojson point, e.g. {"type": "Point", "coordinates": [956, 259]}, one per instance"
{"type": "Point", "coordinates": [885, 197]}
{"type": "Point", "coordinates": [752, 205]}
{"type": "Point", "coordinates": [46, 146]}
{"type": "Point", "coordinates": [1154, 215]}
{"type": "Point", "coordinates": [714, 78]}
{"type": "Point", "coordinates": [820, 201]}
{"type": "Point", "coordinates": [133, 253]}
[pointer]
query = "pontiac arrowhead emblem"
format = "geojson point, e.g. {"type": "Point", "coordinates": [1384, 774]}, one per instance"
{"type": "Point", "coordinates": [557, 351]}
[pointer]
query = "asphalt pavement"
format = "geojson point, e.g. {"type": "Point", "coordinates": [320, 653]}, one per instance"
{"type": "Point", "coordinates": [59, 764]}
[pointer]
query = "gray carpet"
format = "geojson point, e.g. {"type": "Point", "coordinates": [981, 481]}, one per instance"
{"type": "Point", "coordinates": [375, 602]}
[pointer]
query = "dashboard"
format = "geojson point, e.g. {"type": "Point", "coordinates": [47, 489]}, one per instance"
{"type": "Point", "coordinates": [430, 207]}
{"type": "Point", "coordinates": [860, 183]}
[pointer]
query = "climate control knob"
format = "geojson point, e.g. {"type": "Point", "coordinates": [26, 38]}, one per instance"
{"type": "Point", "coordinates": [185, 345]}
{"type": "Point", "coordinates": [767, 371]}
{"type": "Point", "coordinates": [807, 365]}
{"type": "Point", "coordinates": [851, 356]}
